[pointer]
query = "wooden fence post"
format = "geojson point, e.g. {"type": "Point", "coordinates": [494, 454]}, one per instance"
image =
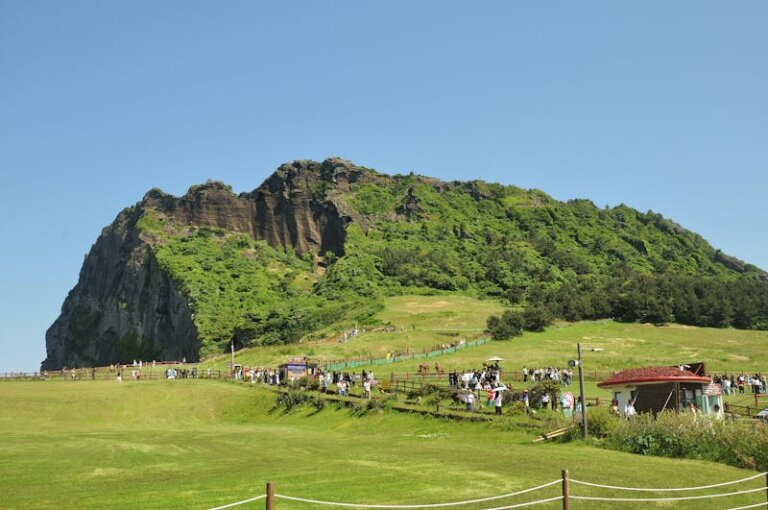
{"type": "Point", "coordinates": [566, 495]}
{"type": "Point", "coordinates": [270, 496]}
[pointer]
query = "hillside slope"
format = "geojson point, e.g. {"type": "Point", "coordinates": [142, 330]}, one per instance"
{"type": "Point", "coordinates": [320, 244]}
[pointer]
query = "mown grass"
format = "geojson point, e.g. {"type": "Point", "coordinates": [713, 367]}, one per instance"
{"type": "Point", "coordinates": [198, 444]}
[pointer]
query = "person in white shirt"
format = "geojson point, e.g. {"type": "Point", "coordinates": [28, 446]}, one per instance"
{"type": "Point", "coordinates": [471, 402]}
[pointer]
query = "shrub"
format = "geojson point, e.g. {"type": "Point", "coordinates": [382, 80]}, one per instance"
{"type": "Point", "coordinates": [741, 443]}
{"type": "Point", "coordinates": [319, 403]}
{"type": "Point", "coordinates": [509, 325]}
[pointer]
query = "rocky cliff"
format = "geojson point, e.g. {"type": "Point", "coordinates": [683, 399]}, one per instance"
{"type": "Point", "coordinates": [126, 307]}
{"type": "Point", "coordinates": [321, 244]}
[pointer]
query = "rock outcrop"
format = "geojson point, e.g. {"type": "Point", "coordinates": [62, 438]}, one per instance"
{"type": "Point", "coordinates": [126, 307]}
{"type": "Point", "coordinates": [123, 306]}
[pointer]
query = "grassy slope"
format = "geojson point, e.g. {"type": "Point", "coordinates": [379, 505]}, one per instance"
{"type": "Point", "coordinates": [425, 321]}
{"type": "Point", "coordinates": [196, 444]}
{"type": "Point", "coordinates": [624, 346]}
{"type": "Point", "coordinates": [419, 321]}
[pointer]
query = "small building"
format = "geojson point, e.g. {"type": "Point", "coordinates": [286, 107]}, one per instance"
{"type": "Point", "coordinates": [653, 389]}
{"type": "Point", "coordinates": [296, 368]}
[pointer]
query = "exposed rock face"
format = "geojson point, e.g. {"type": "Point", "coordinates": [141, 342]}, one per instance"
{"type": "Point", "coordinates": [289, 209]}
{"type": "Point", "coordinates": [125, 307]}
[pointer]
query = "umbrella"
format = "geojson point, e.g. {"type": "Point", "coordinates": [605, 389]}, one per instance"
{"type": "Point", "coordinates": [763, 413]}
{"type": "Point", "coordinates": [495, 358]}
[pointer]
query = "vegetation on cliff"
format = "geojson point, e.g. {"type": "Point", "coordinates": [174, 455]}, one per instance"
{"type": "Point", "coordinates": [546, 259]}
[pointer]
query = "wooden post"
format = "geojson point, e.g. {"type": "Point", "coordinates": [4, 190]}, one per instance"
{"type": "Point", "coordinates": [757, 400]}
{"type": "Point", "coordinates": [566, 495]}
{"type": "Point", "coordinates": [270, 496]}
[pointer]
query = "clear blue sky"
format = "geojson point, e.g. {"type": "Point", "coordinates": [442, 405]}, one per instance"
{"type": "Point", "coordinates": [659, 105]}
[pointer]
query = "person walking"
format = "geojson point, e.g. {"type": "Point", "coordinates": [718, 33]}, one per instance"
{"type": "Point", "coordinates": [497, 401]}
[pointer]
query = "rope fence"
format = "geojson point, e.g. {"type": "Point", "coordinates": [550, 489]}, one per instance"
{"type": "Point", "coordinates": [566, 497]}
{"type": "Point", "coordinates": [673, 489]}
{"type": "Point", "coordinates": [433, 505]}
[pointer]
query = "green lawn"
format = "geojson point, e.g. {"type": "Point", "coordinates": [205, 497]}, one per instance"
{"type": "Point", "coordinates": [616, 346]}
{"type": "Point", "coordinates": [198, 444]}
{"type": "Point", "coordinates": [421, 322]}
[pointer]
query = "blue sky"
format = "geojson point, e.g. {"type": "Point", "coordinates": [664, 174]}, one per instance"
{"type": "Point", "coordinates": [659, 105]}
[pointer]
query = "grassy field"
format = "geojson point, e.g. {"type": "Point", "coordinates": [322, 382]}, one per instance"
{"type": "Point", "coordinates": [415, 323]}
{"type": "Point", "coordinates": [198, 444]}
{"type": "Point", "coordinates": [608, 345]}
{"type": "Point", "coordinates": [420, 322]}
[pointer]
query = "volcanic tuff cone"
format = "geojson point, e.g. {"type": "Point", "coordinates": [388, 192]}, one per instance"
{"type": "Point", "coordinates": [316, 243]}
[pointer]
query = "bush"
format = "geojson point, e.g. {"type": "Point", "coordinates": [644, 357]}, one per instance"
{"type": "Point", "coordinates": [296, 397]}
{"type": "Point", "coordinates": [319, 403]}
{"type": "Point", "coordinates": [509, 325]}
{"type": "Point", "coordinates": [740, 443]}
{"type": "Point", "coordinates": [601, 422]}
{"type": "Point", "coordinates": [291, 398]}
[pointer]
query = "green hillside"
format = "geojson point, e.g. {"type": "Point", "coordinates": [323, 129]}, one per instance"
{"type": "Point", "coordinates": [415, 235]}
{"type": "Point", "coordinates": [199, 444]}
{"type": "Point", "coordinates": [418, 323]}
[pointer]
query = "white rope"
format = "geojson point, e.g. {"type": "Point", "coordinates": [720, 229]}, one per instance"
{"type": "Point", "coordinates": [758, 505]}
{"type": "Point", "coordinates": [681, 498]}
{"type": "Point", "coordinates": [436, 505]}
{"type": "Point", "coordinates": [668, 490]}
{"type": "Point", "coordinates": [240, 502]}
{"type": "Point", "coordinates": [530, 503]}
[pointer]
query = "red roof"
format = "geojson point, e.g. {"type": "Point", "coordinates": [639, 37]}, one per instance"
{"type": "Point", "coordinates": [653, 375]}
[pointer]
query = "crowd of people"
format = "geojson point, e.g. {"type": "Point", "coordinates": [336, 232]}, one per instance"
{"type": "Point", "coordinates": [738, 384]}
{"type": "Point", "coordinates": [268, 376]}
{"type": "Point", "coordinates": [563, 375]}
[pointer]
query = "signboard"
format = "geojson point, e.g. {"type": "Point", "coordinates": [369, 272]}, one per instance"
{"type": "Point", "coordinates": [712, 390]}
{"type": "Point", "coordinates": [296, 370]}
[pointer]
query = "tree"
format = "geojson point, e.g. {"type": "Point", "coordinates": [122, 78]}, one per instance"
{"type": "Point", "coordinates": [509, 325]}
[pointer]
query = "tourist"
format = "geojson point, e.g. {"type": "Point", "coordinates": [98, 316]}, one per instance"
{"type": "Point", "coordinates": [497, 400]}
{"type": "Point", "coordinates": [726, 385]}
{"type": "Point", "coordinates": [490, 394]}
{"type": "Point", "coordinates": [471, 402]}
